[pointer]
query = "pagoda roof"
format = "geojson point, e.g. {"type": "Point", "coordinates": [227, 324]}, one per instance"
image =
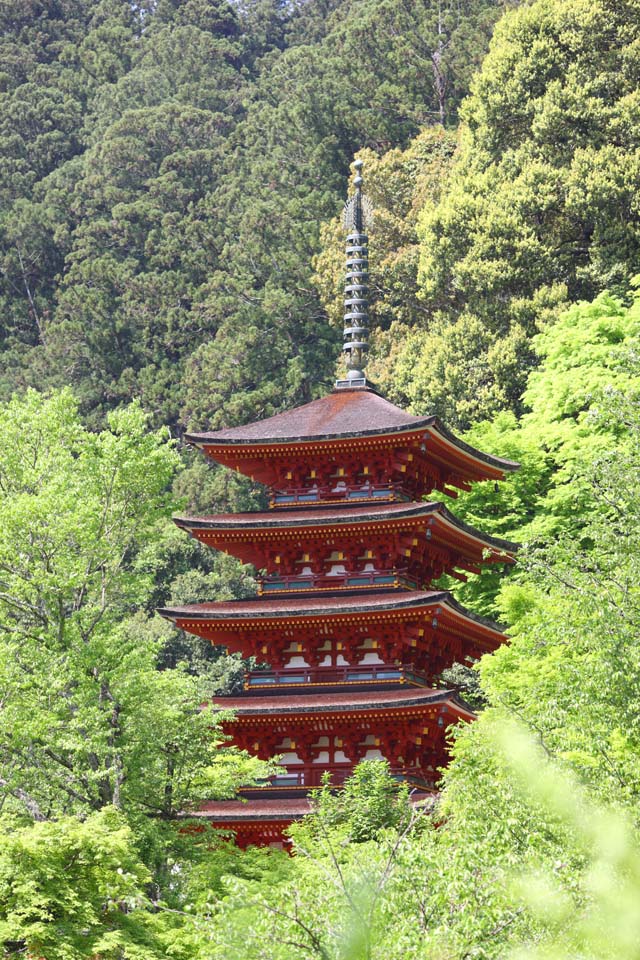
{"type": "Point", "coordinates": [342, 414]}
{"type": "Point", "coordinates": [270, 809]}
{"type": "Point", "coordinates": [254, 810]}
{"type": "Point", "coordinates": [345, 701]}
{"type": "Point", "coordinates": [242, 625]}
{"type": "Point", "coordinates": [332, 515]}
{"type": "Point", "coordinates": [338, 604]}
{"type": "Point", "coordinates": [345, 412]}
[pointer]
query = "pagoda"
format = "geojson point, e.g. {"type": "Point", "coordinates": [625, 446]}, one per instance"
{"type": "Point", "coordinates": [350, 631]}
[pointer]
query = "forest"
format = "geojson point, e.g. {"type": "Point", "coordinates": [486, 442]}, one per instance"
{"type": "Point", "coordinates": [171, 259]}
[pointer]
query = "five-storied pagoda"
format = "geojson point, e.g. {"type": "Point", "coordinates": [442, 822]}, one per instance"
{"type": "Point", "coordinates": [348, 618]}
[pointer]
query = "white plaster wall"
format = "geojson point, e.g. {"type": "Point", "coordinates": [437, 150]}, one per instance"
{"type": "Point", "coordinates": [370, 658]}
{"type": "Point", "coordinates": [297, 662]}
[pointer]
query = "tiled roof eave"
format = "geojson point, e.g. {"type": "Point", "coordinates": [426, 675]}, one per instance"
{"type": "Point", "coordinates": [213, 439]}
{"type": "Point", "coordinates": [339, 515]}
{"type": "Point", "coordinates": [319, 515]}
{"type": "Point", "coordinates": [343, 605]}
{"type": "Point", "coordinates": [420, 425]}
{"type": "Point", "coordinates": [332, 703]}
{"type": "Point", "coordinates": [255, 812]}
{"type": "Point", "coordinates": [319, 606]}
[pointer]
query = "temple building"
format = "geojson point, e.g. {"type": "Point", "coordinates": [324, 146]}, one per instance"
{"type": "Point", "coordinates": [350, 630]}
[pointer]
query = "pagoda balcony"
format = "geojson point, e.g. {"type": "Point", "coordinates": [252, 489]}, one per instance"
{"type": "Point", "coordinates": [350, 493]}
{"type": "Point", "coordinates": [311, 776]}
{"type": "Point", "coordinates": [366, 579]}
{"type": "Point", "coordinates": [362, 673]}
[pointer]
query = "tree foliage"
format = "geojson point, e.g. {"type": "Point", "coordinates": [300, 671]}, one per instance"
{"type": "Point", "coordinates": [170, 166]}
{"type": "Point", "coordinates": [88, 723]}
{"type": "Point", "coordinates": [71, 888]}
{"type": "Point", "coordinates": [589, 354]}
{"type": "Point", "coordinates": [168, 232]}
{"type": "Point", "coordinates": [540, 209]}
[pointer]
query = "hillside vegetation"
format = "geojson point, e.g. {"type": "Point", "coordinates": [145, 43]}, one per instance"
{"type": "Point", "coordinates": [171, 258]}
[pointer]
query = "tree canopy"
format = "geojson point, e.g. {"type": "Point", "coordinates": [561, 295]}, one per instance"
{"type": "Point", "coordinates": [540, 209]}
{"type": "Point", "coordinates": [171, 258]}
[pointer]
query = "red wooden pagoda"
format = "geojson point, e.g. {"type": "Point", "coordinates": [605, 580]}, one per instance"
{"type": "Point", "coordinates": [349, 622]}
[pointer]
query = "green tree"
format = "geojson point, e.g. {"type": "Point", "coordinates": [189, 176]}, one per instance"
{"type": "Point", "coordinates": [369, 802]}
{"type": "Point", "coordinates": [588, 352]}
{"type": "Point", "coordinates": [41, 110]}
{"type": "Point", "coordinates": [88, 723]}
{"type": "Point", "coordinates": [72, 888]}
{"type": "Point", "coordinates": [606, 921]}
{"type": "Point", "coordinates": [124, 315]}
{"type": "Point", "coordinates": [540, 208]}
{"type": "Point", "coordinates": [573, 619]}
{"type": "Point", "coordinates": [87, 719]}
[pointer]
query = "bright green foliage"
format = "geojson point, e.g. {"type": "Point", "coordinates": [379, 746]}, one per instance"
{"type": "Point", "coordinates": [572, 671]}
{"type": "Point", "coordinates": [73, 889]}
{"type": "Point", "coordinates": [87, 719]}
{"type": "Point", "coordinates": [76, 508]}
{"type": "Point", "coordinates": [330, 900]}
{"type": "Point", "coordinates": [590, 350]}
{"type": "Point", "coordinates": [89, 725]}
{"type": "Point", "coordinates": [607, 924]}
{"type": "Point", "coordinates": [557, 872]}
{"type": "Point", "coordinates": [541, 207]}
{"type": "Point", "coordinates": [570, 674]}
{"type": "Point", "coordinates": [416, 891]}
{"type": "Point", "coordinates": [370, 802]}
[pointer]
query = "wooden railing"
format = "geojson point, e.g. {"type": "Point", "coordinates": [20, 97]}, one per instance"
{"type": "Point", "coordinates": [311, 776]}
{"type": "Point", "coordinates": [322, 581]}
{"type": "Point", "coordinates": [325, 492]}
{"type": "Point", "coordinates": [332, 674]}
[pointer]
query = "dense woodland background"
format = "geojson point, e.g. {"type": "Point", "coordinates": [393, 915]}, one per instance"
{"type": "Point", "coordinates": [171, 257]}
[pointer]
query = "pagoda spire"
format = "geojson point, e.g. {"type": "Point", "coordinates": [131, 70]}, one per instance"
{"type": "Point", "coordinates": [357, 219]}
